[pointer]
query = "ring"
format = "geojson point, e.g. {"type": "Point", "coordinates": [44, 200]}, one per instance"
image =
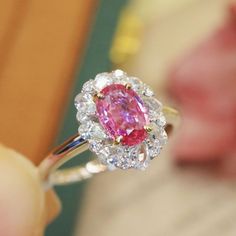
{"type": "Point", "coordinates": [120, 121]}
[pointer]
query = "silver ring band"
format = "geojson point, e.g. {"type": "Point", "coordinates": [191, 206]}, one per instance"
{"type": "Point", "coordinates": [74, 146]}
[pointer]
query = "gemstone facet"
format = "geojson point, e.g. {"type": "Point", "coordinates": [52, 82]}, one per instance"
{"type": "Point", "coordinates": [122, 113]}
{"type": "Point", "coordinates": [121, 120]}
{"type": "Point", "coordinates": [85, 106]}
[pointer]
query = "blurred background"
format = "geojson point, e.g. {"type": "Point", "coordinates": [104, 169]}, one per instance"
{"type": "Point", "coordinates": [185, 49]}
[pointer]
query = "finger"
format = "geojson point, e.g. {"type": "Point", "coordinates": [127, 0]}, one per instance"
{"type": "Point", "coordinates": [52, 206]}
{"type": "Point", "coordinates": [22, 199]}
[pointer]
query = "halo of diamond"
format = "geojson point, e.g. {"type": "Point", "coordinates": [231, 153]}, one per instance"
{"type": "Point", "coordinates": [110, 154]}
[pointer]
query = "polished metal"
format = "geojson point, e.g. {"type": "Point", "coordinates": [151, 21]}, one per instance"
{"type": "Point", "coordinates": [74, 146]}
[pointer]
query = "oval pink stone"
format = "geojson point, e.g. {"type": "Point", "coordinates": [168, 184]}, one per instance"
{"type": "Point", "coordinates": [122, 113]}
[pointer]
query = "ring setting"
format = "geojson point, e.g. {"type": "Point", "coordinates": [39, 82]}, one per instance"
{"type": "Point", "coordinates": [121, 120]}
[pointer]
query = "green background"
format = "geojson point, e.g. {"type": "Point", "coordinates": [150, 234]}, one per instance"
{"type": "Point", "coordinates": [96, 60]}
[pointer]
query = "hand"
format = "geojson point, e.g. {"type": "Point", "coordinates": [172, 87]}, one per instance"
{"type": "Point", "coordinates": [25, 207]}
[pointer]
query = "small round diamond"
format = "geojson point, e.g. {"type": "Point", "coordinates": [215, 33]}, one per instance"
{"type": "Point", "coordinates": [111, 163]}
{"type": "Point", "coordinates": [160, 120]}
{"type": "Point", "coordinates": [110, 155]}
{"type": "Point", "coordinates": [83, 130]}
{"type": "Point", "coordinates": [129, 158]}
{"type": "Point", "coordinates": [92, 130]}
{"type": "Point", "coordinates": [154, 146]}
{"type": "Point", "coordinates": [147, 91]}
{"type": "Point", "coordinates": [122, 157]}
{"type": "Point", "coordinates": [156, 140]}
{"type": "Point", "coordinates": [102, 80]}
{"type": "Point", "coordinates": [88, 87]}
{"type": "Point", "coordinates": [136, 83]}
{"type": "Point", "coordinates": [154, 107]}
{"type": "Point", "coordinates": [118, 74]}
{"type": "Point", "coordinates": [143, 158]}
{"type": "Point", "coordinates": [95, 145]}
{"type": "Point", "coordinates": [163, 137]}
{"type": "Point", "coordinates": [85, 106]}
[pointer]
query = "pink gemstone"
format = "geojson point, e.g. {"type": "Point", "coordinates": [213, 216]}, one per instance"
{"type": "Point", "coordinates": [122, 113]}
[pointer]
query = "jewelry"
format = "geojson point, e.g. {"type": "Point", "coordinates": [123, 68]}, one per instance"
{"type": "Point", "coordinates": [120, 121]}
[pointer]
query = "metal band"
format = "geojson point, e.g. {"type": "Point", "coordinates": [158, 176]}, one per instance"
{"type": "Point", "coordinates": [75, 146]}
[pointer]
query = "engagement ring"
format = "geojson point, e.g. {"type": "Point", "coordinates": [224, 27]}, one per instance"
{"type": "Point", "coordinates": [120, 121]}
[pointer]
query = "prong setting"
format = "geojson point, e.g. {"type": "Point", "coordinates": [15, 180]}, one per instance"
{"type": "Point", "coordinates": [128, 86]}
{"type": "Point", "coordinates": [98, 95]}
{"type": "Point", "coordinates": [118, 140]}
{"type": "Point", "coordinates": [112, 148]}
{"type": "Point", "coordinates": [148, 128]}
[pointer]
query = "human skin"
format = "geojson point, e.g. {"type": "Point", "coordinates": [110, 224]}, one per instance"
{"type": "Point", "coordinates": [25, 207]}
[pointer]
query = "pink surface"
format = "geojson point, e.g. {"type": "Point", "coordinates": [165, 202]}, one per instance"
{"type": "Point", "coordinates": [203, 84]}
{"type": "Point", "coordinates": [122, 113]}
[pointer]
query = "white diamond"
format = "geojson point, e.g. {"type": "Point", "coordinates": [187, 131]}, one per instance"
{"type": "Point", "coordinates": [104, 154]}
{"type": "Point", "coordinates": [161, 120]}
{"type": "Point", "coordinates": [118, 156]}
{"type": "Point", "coordinates": [147, 91]}
{"type": "Point", "coordinates": [131, 157]}
{"type": "Point", "coordinates": [124, 157]}
{"type": "Point", "coordinates": [88, 87]}
{"type": "Point", "coordinates": [143, 158]}
{"type": "Point", "coordinates": [125, 163]}
{"type": "Point", "coordinates": [82, 100]}
{"type": "Point", "coordinates": [118, 74]}
{"type": "Point", "coordinates": [136, 83]}
{"type": "Point", "coordinates": [85, 106]}
{"type": "Point", "coordinates": [96, 132]}
{"type": "Point", "coordinates": [92, 130]}
{"type": "Point", "coordinates": [95, 145]}
{"type": "Point", "coordinates": [154, 107]}
{"type": "Point", "coordinates": [102, 80]}
{"type": "Point", "coordinates": [163, 137]}
{"type": "Point", "coordinates": [110, 155]}
{"type": "Point", "coordinates": [156, 140]}
{"type": "Point", "coordinates": [82, 117]}
{"type": "Point", "coordinates": [153, 145]}
{"type": "Point", "coordinates": [84, 130]}
{"type": "Point", "coordinates": [111, 163]}
{"type": "Point", "coordinates": [139, 86]}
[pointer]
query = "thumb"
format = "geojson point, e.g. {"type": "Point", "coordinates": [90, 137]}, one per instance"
{"type": "Point", "coordinates": [23, 201]}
